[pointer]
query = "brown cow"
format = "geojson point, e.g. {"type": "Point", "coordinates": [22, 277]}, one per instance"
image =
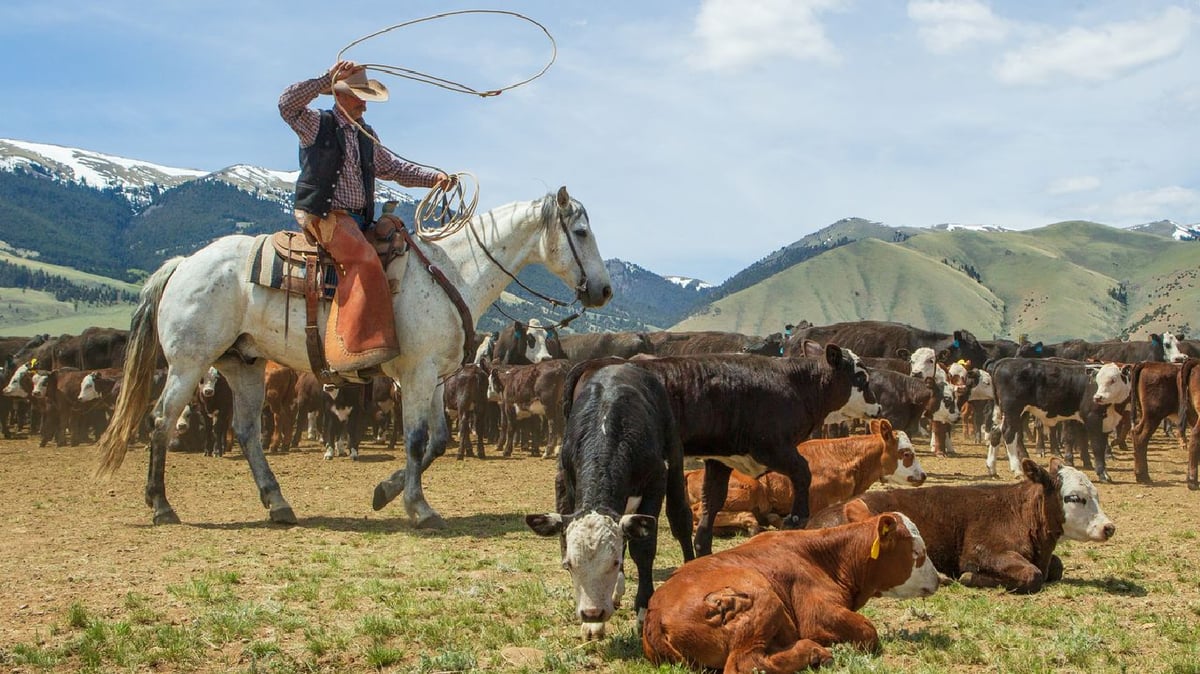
{"type": "Point", "coordinates": [532, 391]}
{"type": "Point", "coordinates": [1189, 413]}
{"type": "Point", "coordinates": [280, 405]}
{"type": "Point", "coordinates": [589, 345]}
{"type": "Point", "coordinates": [465, 398]}
{"type": "Point", "coordinates": [1153, 397]}
{"type": "Point", "coordinates": [667, 343]}
{"type": "Point", "coordinates": [842, 468]}
{"type": "Point", "coordinates": [993, 535]}
{"type": "Point", "coordinates": [777, 602]}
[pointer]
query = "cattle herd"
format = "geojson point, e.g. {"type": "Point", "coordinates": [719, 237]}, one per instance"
{"type": "Point", "coordinates": [787, 432]}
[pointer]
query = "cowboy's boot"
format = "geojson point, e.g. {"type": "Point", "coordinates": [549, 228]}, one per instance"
{"type": "Point", "coordinates": [361, 331]}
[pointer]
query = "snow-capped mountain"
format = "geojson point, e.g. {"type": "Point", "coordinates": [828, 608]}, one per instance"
{"type": "Point", "coordinates": [951, 226]}
{"type": "Point", "coordinates": [688, 283]}
{"type": "Point", "coordinates": [141, 182]}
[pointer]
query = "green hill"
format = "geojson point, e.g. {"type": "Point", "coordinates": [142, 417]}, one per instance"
{"type": "Point", "coordinates": [1069, 279]}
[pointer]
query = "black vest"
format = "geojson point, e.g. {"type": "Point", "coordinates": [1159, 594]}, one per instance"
{"type": "Point", "coordinates": [320, 163]}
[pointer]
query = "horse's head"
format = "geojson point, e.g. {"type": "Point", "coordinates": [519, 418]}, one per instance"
{"type": "Point", "coordinates": [571, 251]}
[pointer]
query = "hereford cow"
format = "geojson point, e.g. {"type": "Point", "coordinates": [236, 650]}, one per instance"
{"type": "Point", "coordinates": [1154, 398]}
{"type": "Point", "coordinates": [777, 602]}
{"type": "Point", "coordinates": [842, 468]}
{"type": "Point", "coordinates": [749, 412]}
{"type": "Point", "coordinates": [968, 541]}
{"type": "Point", "coordinates": [1053, 391]}
{"type": "Point", "coordinates": [905, 400]}
{"type": "Point", "coordinates": [532, 391]}
{"type": "Point", "coordinates": [977, 401]}
{"type": "Point", "coordinates": [525, 344]}
{"type": "Point", "coordinates": [621, 459]}
{"type": "Point", "coordinates": [891, 340]}
{"type": "Point", "coordinates": [1189, 415]}
{"type": "Point", "coordinates": [589, 345]}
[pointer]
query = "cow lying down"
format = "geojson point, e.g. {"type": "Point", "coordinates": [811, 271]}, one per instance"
{"type": "Point", "coordinates": [842, 468]}
{"type": "Point", "coordinates": [994, 535]}
{"type": "Point", "coordinates": [777, 602]}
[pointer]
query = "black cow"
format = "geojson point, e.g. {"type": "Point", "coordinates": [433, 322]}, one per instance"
{"type": "Point", "coordinates": [905, 400]}
{"type": "Point", "coordinates": [215, 404]}
{"type": "Point", "coordinates": [749, 412]}
{"type": "Point", "coordinates": [1055, 390]}
{"type": "Point", "coordinates": [621, 458]}
{"type": "Point", "coordinates": [1106, 351]}
{"type": "Point", "coordinates": [890, 340]}
{"type": "Point", "coordinates": [344, 416]}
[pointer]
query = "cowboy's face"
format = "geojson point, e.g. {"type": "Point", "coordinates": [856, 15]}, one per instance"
{"type": "Point", "coordinates": [351, 104]}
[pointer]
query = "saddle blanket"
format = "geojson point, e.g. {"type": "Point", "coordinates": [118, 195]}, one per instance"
{"type": "Point", "coordinates": [267, 268]}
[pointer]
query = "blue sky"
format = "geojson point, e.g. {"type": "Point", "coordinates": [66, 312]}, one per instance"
{"type": "Point", "coordinates": [701, 136]}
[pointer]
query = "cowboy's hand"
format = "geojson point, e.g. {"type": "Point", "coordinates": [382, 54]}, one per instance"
{"type": "Point", "coordinates": [343, 69]}
{"type": "Point", "coordinates": [444, 182]}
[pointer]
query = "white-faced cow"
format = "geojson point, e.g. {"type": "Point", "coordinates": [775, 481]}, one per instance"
{"type": "Point", "coordinates": [779, 601]}
{"type": "Point", "coordinates": [1055, 390]}
{"type": "Point", "coordinates": [749, 412]}
{"type": "Point", "coordinates": [993, 535]}
{"type": "Point", "coordinates": [621, 459]}
{"type": "Point", "coordinates": [527, 343]}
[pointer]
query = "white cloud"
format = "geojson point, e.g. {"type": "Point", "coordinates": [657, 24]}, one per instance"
{"type": "Point", "coordinates": [947, 25]}
{"type": "Point", "coordinates": [1164, 202]}
{"type": "Point", "coordinates": [1099, 54]}
{"type": "Point", "coordinates": [1073, 185]}
{"type": "Point", "coordinates": [734, 34]}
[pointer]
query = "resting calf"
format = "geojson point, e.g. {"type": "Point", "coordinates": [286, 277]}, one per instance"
{"type": "Point", "coordinates": [777, 602]}
{"type": "Point", "coordinates": [993, 535]}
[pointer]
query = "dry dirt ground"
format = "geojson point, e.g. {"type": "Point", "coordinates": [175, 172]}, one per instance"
{"type": "Point", "coordinates": [66, 538]}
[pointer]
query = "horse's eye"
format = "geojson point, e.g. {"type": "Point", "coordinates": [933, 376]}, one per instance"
{"type": "Point", "coordinates": [581, 233]}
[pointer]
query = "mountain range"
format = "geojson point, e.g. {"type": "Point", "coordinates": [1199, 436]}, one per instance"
{"type": "Point", "coordinates": [69, 211]}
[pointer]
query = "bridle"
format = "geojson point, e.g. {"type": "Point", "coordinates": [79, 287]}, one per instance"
{"type": "Point", "coordinates": [580, 288]}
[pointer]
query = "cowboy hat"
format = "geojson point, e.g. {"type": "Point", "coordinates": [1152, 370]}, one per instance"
{"type": "Point", "coordinates": [360, 87]}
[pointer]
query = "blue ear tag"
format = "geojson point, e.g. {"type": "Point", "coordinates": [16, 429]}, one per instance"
{"type": "Point", "coordinates": [955, 344]}
{"type": "Point", "coordinates": [1038, 349]}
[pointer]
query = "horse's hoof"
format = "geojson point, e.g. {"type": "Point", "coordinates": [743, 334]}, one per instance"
{"type": "Point", "coordinates": [1194, 485]}
{"type": "Point", "coordinates": [381, 497]}
{"type": "Point", "coordinates": [168, 517]}
{"type": "Point", "coordinates": [432, 521]}
{"type": "Point", "coordinates": [283, 515]}
{"type": "Point", "coordinates": [1103, 477]}
{"type": "Point", "coordinates": [1143, 478]}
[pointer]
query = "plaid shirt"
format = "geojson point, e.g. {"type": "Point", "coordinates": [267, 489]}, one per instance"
{"type": "Point", "coordinates": [348, 193]}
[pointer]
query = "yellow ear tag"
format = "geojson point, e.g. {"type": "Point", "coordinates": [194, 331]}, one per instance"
{"type": "Point", "coordinates": [875, 546]}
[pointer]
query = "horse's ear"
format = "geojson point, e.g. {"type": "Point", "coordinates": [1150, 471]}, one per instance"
{"type": "Point", "coordinates": [564, 199]}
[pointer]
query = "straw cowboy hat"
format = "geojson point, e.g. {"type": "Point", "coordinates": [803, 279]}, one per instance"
{"type": "Point", "coordinates": [360, 87]}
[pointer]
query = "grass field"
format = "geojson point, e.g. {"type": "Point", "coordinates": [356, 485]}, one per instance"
{"type": "Point", "coordinates": [87, 584]}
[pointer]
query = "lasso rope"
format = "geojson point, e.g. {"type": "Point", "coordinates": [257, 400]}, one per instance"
{"type": "Point", "coordinates": [446, 205]}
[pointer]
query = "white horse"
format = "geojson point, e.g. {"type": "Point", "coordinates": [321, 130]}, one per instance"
{"type": "Point", "coordinates": [201, 310]}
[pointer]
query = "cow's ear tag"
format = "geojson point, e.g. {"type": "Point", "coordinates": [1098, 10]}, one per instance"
{"type": "Point", "coordinates": [875, 546]}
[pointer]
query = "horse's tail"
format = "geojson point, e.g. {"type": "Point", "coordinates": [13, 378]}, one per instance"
{"type": "Point", "coordinates": [141, 356]}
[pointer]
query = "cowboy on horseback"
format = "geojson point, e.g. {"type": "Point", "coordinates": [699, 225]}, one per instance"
{"type": "Point", "coordinates": [340, 158]}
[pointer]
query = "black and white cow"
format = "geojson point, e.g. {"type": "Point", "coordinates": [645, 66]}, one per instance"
{"type": "Point", "coordinates": [1054, 390]}
{"type": "Point", "coordinates": [621, 458]}
{"type": "Point", "coordinates": [749, 412]}
{"type": "Point", "coordinates": [527, 343]}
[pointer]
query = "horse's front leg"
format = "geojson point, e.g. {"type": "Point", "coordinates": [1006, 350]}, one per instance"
{"type": "Point", "coordinates": [425, 439]}
{"type": "Point", "coordinates": [249, 391]}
